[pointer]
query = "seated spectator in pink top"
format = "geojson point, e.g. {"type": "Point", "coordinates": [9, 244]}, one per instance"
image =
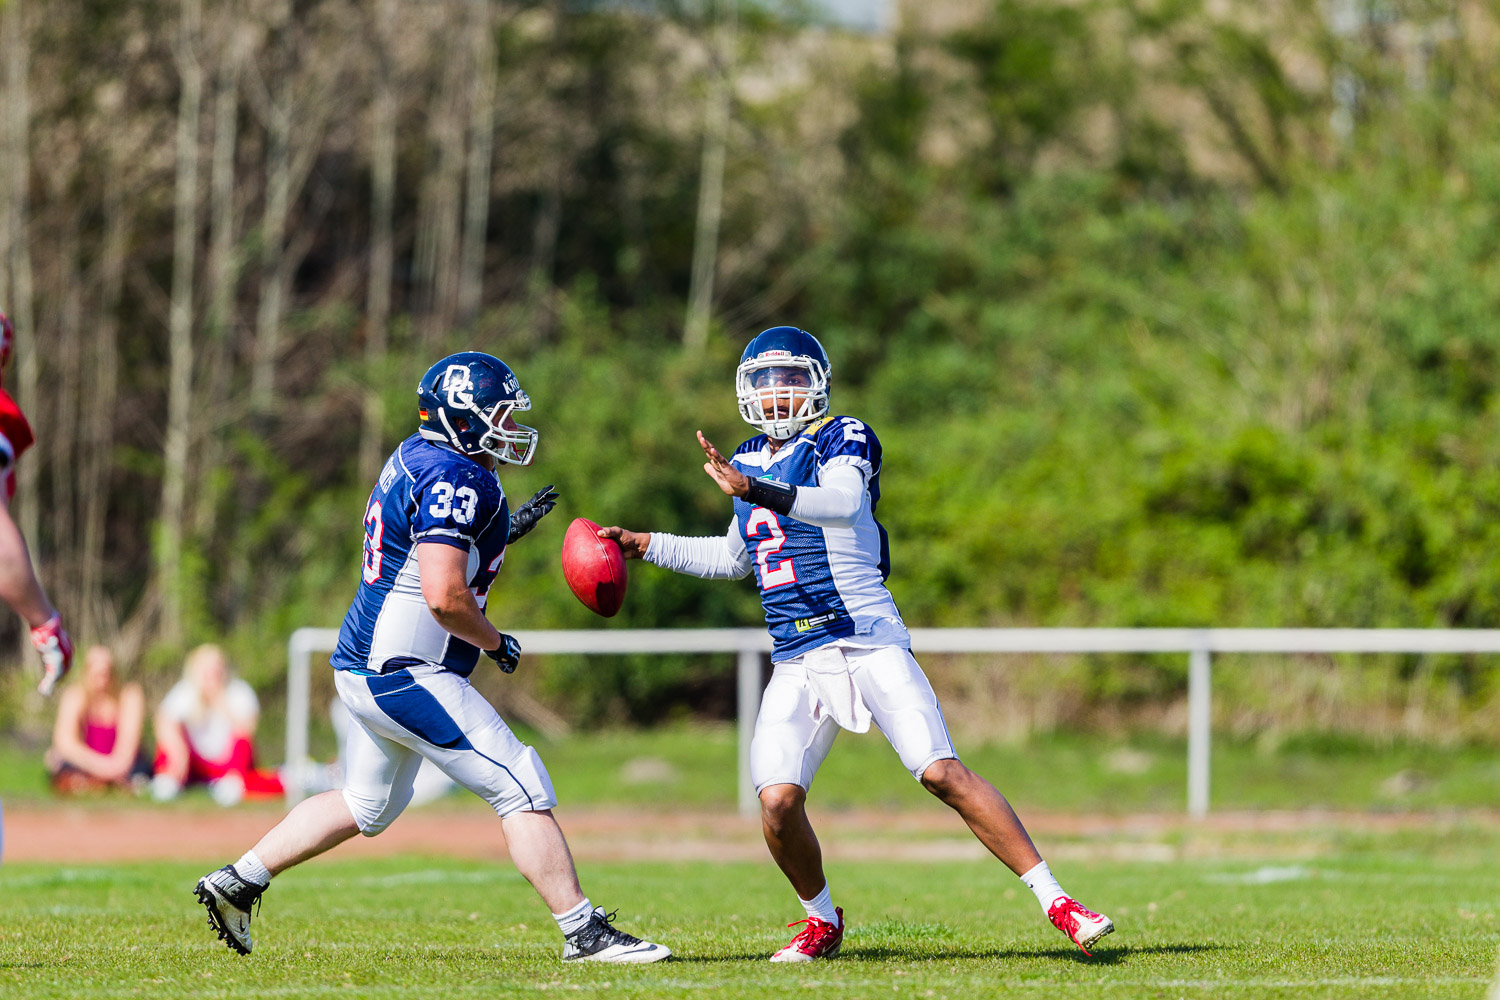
{"type": "Point", "coordinates": [204, 732]}
{"type": "Point", "coordinates": [96, 742]}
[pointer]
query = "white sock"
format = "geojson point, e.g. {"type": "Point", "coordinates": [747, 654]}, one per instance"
{"type": "Point", "coordinates": [575, 919]}
{"type": "Point", "coordinates": [250, 869]}
{"type": "Point", "coordinates": [1041, 881]}
{"type": "Point", "coordinates": [821, 906]}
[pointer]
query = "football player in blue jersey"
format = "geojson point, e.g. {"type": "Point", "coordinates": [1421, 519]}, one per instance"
{"type": "Point", "coordinates": [805, 491]}
{"type": "Point", "coordinates": [436, 528]}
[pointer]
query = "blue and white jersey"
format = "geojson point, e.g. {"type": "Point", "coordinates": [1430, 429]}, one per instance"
{"type": "Point", "coordinates": [818, 584]}
{"type": "Point", "coordinates": [427, 492]}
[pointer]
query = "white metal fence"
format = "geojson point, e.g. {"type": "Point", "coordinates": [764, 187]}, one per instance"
{"type": "Point", "coordinates": [751, 644]}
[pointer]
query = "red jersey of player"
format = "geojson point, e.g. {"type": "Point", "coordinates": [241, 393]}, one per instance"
{"type": "Point", "coordinates": [19, 586]}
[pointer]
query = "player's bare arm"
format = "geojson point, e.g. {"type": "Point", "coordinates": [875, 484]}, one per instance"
{"type": "Point", "coordinates": [633, 544]}
{"type": "Point", "coordinates": [445, 588]}
{"type": "Point", "coordinates": [19, 586]}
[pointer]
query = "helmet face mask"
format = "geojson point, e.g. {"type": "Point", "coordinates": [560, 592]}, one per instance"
{"type": "Point", "coordinates": [781, 383]}
{"type": "Point", "coordinates": [468, 402]}
{"type": "Point", "coordinates": [507, 440]}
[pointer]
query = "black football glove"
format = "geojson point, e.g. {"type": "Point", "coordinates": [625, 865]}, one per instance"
{"type": "Point", "coordinates": [507, 654]}
{"type": "Point", "coordinates": [525, 517]}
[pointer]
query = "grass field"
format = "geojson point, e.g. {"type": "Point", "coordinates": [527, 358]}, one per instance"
{"type": "Point", "coordinates": [1407, 914]}
{"type": "Point", "coordinates": [1354, 909]}
{"type": "Point", "coordinates": [693, 766]}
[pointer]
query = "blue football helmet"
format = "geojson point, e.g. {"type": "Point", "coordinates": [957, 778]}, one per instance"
{"type": "Point", "coordinates": [782, 381]}
{"type": "Point", "coordinates": [467, 400]}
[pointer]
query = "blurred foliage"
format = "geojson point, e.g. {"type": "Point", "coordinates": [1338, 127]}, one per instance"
{"type": "Point", "coordinates": [1148, 337]}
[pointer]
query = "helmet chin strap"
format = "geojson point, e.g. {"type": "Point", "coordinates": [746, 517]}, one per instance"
{"type": "Point", "coordinates": [452, 434]}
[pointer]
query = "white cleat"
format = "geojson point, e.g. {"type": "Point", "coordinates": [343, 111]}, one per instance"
{"type": "Point", "coordinates": [599, 941]}
{"type": "Point", "coordinates": [817, 939]}
{"type": "Point", "coordinates": [228, 899]}
{"type": "Point", "coordinates": [1083, 927]}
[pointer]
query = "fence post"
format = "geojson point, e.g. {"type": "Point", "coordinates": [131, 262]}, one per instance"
{"type": "Point", "coordinates": [297, 655]}
{"type": "Point", "coordinates": [1200, 718]}
{"type": "Point", "coordinates": [746, 709]}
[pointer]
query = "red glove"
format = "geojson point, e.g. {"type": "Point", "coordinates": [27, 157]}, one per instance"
{"type": "Point", "coordinates": [51, 640]}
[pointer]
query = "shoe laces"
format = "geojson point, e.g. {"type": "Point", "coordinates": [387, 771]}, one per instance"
{"type": "Point", "coordinates": [1066, 914]}
{"type": "Point", "coordinates": [245, 894]}
{"type": "Point", "coordinates": [1071, 910]}
{"type": "Point", "coordinates": [601, 925]}
{"type": "Point", "coordinates": [813, 933]}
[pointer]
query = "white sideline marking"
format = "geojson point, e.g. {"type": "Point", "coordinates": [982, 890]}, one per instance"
{"type": "Point", "coordinates": [80, 876]}
{"type": "Point", "coordinates": [1265, 875]}
{"type": "Point", "coordinates": [1495, 990]}
{"type": "Point", "coordinates": [424, 876]}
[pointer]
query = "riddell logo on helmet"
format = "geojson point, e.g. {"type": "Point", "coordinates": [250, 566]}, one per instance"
{"type": "Point", "coordinates": [774, 355]}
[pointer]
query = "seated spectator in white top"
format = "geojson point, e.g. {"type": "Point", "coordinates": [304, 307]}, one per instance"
{"type": "Point", "coordinates": [205, 730]}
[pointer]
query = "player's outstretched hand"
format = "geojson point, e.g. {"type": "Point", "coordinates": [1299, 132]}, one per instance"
{"type": "Point", "coordinates": [525, 517]}
{"type": "Point", "coordinates": [731, 480]}
{"type": "Point", "coordinates": [632, 543]}
{"type": "Point", "coordinates": [52, 642]}
{"type": "Point", "coordinates": [507, 654]}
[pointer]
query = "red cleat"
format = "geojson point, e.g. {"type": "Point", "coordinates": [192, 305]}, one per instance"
{"type": "Point", "coordinates": [819, 939]}
{"type": "Point", "coordinates": [1083, 927]}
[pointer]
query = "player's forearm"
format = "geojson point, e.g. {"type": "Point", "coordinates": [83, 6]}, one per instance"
{"type": "Point", "coordinates": [464, 619]}
{"type": "Point", "coordinates": [708, 557]}
{"type": "Point", "coordinates": [19, 586]}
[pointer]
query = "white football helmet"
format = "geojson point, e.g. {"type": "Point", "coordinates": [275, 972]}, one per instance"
{"type": "Point", "coordinates": [782, 382]}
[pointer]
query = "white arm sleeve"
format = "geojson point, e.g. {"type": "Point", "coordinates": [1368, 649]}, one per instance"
{"type": "Point", "coordinates": [721, 558]}
{"type": "Point", "coordinates": [836, 502]}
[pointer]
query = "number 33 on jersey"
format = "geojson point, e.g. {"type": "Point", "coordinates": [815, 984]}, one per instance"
{"type": "Point", "coordinates": [426, 493]}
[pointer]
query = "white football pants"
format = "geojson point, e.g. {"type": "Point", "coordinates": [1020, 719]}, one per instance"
{"type": "Point", "coordinates": [397, 719]}
{"type": "Point", "coordinates": [802, 711]}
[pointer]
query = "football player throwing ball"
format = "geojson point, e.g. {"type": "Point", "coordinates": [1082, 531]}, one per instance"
{"type": "Point", "coordinates": [805, 491]}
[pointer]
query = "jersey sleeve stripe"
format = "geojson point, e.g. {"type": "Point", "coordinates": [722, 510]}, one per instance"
{"type": "Point", "coordinates": [858, 461]}
{"type": "Point", "coordinates": [429, 534]}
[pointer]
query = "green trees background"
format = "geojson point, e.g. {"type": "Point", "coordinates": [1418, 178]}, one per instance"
{"type": "Point", "coordinates": [1166, 313]}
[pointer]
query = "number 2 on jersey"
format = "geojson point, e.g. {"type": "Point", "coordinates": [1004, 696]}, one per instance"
{"type": "Point", "coordinates": [784, 572]}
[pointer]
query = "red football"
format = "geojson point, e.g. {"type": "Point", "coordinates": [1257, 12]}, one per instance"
{"type": "Point", "coordinates": [594, 567]}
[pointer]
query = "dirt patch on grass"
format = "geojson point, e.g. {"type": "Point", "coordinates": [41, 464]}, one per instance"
{"type": "Point", "coordinates": [104, 832]}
